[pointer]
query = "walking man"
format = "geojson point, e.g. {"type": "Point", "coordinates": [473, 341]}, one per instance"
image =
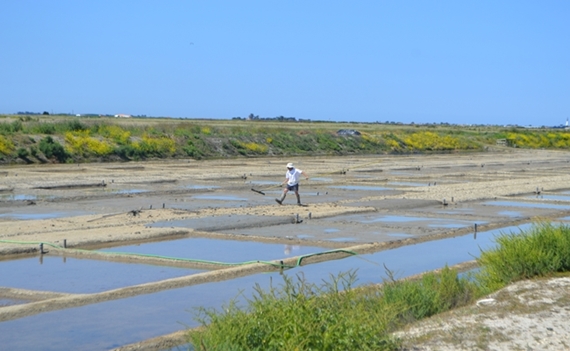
{"type": "Point", "coordinates": [292, 180]}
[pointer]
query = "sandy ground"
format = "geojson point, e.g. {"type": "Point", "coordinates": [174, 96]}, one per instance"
{"type": "Point", "coordinates": [528, 315]}
{"type": "Point", "coordinates": [108, 204]}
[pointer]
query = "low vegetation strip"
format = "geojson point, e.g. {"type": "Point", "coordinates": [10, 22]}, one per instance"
{"type": "Point", "coordinates": [300, 315]}
{"type": "Point", "coordinates": [26, 139]}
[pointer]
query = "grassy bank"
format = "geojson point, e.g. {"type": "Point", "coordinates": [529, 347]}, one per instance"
{"type": "Point", "coordinates": [42, 139]}
{"type": "Point", "coordinates": [298, 315]}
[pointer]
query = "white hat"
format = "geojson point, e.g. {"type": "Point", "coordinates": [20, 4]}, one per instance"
{"type": "Point", "coordinates": [290, 165]}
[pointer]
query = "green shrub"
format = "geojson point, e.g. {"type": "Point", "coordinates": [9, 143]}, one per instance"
{"type": "Point", "coordinates": [193, 149]}
{"type": "Point", "coordinates": [128, 152]}
{"type": "Point", "coordinates": [74, 126]}
{"type": "Point", "coordinates": [52, 149]}
{"type": "Point", "coordinates": [23, 153]}
{"type": "Point", "coordinates": [43, 128]}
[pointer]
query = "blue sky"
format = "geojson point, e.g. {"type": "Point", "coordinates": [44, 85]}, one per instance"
{"type": "Point", "coordinates": [488, 62]}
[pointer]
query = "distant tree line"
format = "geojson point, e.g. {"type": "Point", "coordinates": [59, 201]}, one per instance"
{"type": "Point", "coordinates": [253, 117]}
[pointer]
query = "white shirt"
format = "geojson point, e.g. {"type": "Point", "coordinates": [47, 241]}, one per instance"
{"type": "Point", "coordinates": [293, 176]}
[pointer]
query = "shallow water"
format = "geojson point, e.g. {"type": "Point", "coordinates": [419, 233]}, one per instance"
{"type": "Point", "coordinates": [414, 184]}
{"type": "Point", "coordinates": [549, 197]}
{"type": "Point", "coordinates": [219, 197]}
{"type": "Point", "coordinates": [322, 229]}
{"type": "Point", "coordinates": [414, 259]}
{"type": "Point", "coordinates": [368, 227]}
{"type": "Point", "coordinates": [194, 186]}
{"type": "Point", "coordinates": [359, 187]}
{"type": "Point", "coordinates": [41, 215]}
{"type": "Point", "coordinates": [389, 218]}
{"type": "Point", "coordinates": [450, 225]}
{"type": "Point", "coordinates": [72, 275]}
{"type": "Point", "coordinates": [227, 251]}
{"type": "Point", "coordinates": [18, 197]}
{"type": "Point", "coordinates": [10, 302]}
{"type": "Point", "coordinates": [331, 230]}
{"type": "Point", "coordinates": [115, 323]}
{"type": "Point", "coordinates": [526, 204]}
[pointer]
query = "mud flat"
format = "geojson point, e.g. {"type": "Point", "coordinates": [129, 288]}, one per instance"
{"type": "Point", "coordinates": [351, 205]}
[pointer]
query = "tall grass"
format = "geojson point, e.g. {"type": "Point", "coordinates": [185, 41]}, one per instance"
{"type": "Point", "coordinates": [541, 250]}
{"type": "Point", "coordinates": [299, 315]}
{"type": "Point", "coordinates": [432, 294]}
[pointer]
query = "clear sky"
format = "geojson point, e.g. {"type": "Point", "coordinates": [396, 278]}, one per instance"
{"type": "Point", "coordinates": [478, 61]}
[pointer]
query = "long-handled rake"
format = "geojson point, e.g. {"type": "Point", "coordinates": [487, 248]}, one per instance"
{"type": "Point", "coordinates": [262, 191]}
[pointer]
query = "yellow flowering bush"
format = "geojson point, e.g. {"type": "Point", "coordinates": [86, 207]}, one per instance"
{"type": "Point", "coordinates": [254, 147]}
{"type": "Point", "coordinates": [431, 141]}
{"type": "Point", "coordinates": [534, 140]}
{"type": "Point", "coordinates": [160, 146]}
{"type": "Point", "coordinates": [6, 146]}
{"type": "Point", "coordinates": [80, 143]}
{"type": "Point", "coordinates": [370, 138]}
{"type": "Point", "coordinates": [116, 133]}
{"type": "Point", "coordinates": [540, 140]}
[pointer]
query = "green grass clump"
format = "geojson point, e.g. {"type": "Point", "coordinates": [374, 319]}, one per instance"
{"type": "Point", "coordinates": [432, 294]}
{"type": "Point", "coordinates": [299, 315]}
{"type": "Point", "coordinates": [542, 250]}
{"type": "Point", "coordinates": [10, 128]}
